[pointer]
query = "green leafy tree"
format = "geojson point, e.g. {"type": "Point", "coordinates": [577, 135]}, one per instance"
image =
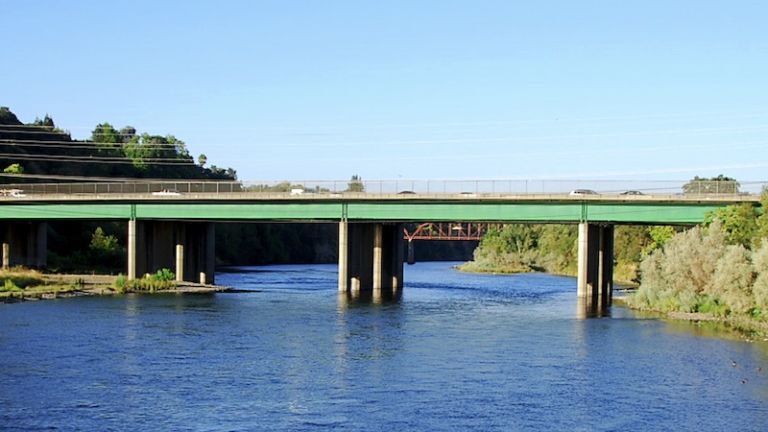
{"type": "Point", "coordinates": [738, 221]}
{"type": "Point", "coordinates": [106, 136]}
{"type": "Point", "coordinates": [102, 243]}
{"type": "Point", "coordinates": [762, 220]}
{"type": "Point", "coordinates": [715, 185]}
{"type": "Point", "coordinates": [127, 134]}
{"type": "Point", "coordinates": [202, 160]}
{"type": "Point", "coordinates": [14, 169]}
{"type": "Point", "coordinates": [355, 184]}
{"type": "Point", "coordinates": [659, 235]}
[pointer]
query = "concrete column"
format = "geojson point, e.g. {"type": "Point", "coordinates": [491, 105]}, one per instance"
{"type": "Point", "coordinates": [397, 273]}
{"type": "Point", "coordinates": [6, 254]}
{"type": "Point", "coordinates": [605, 271]}
{"type": "Point", "coordinates": [411, 253]}
{"type": "Point", "coordinates": [373, 258]}
{"type": "Point", "coordinates": [41, 245]}
{"type": "Point", "coordinates": [131, 249]}
{"type": "Point", "coordinates": [210, 255]}
{"type": "Point", "coordinates": [343, 256]}
{"type": "Point", "coordinates": [595, 261]}
{"type": "Point", "coordinates": [179, 262]}
{"type": "Point", "coordinates": [378, 256]}
{"type": "Point", "coordinates": [360, 256]}
{"type": "Point", "coordinates": [392, 257]}
{"type": "Point", "coordinates": [581, 265]}
{"type": "Point", "coordinates": [180, 241]}
{"type": "Point", "coordinates": [31, 241]}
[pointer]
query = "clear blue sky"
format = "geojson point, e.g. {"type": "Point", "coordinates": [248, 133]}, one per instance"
{"type": "Point", "coordinates": [413, 89]}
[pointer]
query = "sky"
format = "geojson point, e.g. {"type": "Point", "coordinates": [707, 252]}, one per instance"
{"type": "Point", "coordinates": [444, 89]}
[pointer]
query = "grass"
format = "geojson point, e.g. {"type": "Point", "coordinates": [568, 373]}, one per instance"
{"type": "Point", "coordinates": [18, 278]}
{"type": "Point", "coordinates": [163, 280]}
{"type": "Point", "coordinates": [22, 283]}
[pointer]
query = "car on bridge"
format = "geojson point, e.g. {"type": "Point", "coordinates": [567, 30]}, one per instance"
{"type": "Point", "coordinates": [581, 192]}
{"type": "Point", "coordinates": [167, 192]}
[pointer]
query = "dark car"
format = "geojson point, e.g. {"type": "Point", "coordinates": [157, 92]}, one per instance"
{"type": "Point", "coordinates": [632, 192]}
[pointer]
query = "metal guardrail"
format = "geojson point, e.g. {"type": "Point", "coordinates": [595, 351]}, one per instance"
{"type": "Point", "coordinates": [399, 186]}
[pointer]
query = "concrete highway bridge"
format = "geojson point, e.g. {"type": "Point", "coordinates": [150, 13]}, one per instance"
{"type": "Point", "coordinates": [172, 228]}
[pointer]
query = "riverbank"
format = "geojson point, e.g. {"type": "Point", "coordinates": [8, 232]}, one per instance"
{"type": "Point", "coordinates": [744, 327]}
{"type": "Point", "coordinates": [620, 276]}
{"type": "Point", "coordinates": [27, 285]}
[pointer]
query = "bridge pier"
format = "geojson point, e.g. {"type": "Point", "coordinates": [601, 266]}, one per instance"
{"type": "Point", "coordinates": [25, 244]}
{"type": "Point", "coordinates": [186, 248]}
{"type": "Point", "coordinates": [370, 258]}
{"type": "Point", "coordinates": [595, 262]}
{"type": "Point", "coordinates": [411, 253]}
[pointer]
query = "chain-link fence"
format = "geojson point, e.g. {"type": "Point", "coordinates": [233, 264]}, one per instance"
{"type": "Point", "coordinates": [398, 186]}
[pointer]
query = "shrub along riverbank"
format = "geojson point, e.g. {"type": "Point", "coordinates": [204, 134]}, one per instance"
{"type": "Point", "coordinates": [717, 271]}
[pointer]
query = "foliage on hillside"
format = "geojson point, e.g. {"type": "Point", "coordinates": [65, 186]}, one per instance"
{"type": "Point", "coordinates": [41, 148]}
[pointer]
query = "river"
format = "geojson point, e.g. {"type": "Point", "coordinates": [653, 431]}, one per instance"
{"type": "Point", "coordinates": [456, 352]}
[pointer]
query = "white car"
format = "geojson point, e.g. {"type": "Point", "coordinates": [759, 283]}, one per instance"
{"type": "Point", "coordinates": [581, 192]}
{"type": "Point", "coordinates": [166, 192]}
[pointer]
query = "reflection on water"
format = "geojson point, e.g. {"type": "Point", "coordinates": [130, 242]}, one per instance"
{"type": "Point", "coordinates": [369, 297]}
{"type": "Point", "coordinates": [452, 351]}
{"type": "Point", "coordinates": [592, 307]}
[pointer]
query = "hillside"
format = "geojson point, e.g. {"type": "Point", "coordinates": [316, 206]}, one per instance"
{"type": "Point", "coordinates": [41, 149]}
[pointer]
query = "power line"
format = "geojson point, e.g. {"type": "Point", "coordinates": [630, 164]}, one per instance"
{"type": "Point", "coordinates": [54, 158]}
{"type": "Point", "coordinates": [97, 158]}
{"type": "Point", "coordinates": [113, 179]}
{"type": "Point", "coordinates": [86, 145]}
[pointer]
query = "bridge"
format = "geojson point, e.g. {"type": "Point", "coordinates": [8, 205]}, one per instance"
{"type": "Point", "coordinates": [170, 225]}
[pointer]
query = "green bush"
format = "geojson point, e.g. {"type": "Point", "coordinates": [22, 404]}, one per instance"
{"type": "Point", "coordinates": [9, 286]}
{"type": "Point", "coordinates": [164, 275]}
{"type": "Point", "coordinates": [164, 279]}
{"type": "Point", "coordinates": [702, 270]}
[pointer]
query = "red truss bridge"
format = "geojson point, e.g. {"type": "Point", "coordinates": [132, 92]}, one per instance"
{"type": "Point", "coordinates": [447, 231]}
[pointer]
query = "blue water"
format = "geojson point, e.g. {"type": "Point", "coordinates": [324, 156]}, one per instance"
{"type": "Point", "coordinates": [456, 352]}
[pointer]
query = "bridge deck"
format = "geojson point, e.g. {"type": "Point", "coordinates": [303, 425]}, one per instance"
{"type": "Point", "coordinates": [259, 206]}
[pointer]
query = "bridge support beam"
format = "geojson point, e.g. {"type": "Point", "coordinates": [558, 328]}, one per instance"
{"type": "Point", "coordinates": [595, 262]}
{"type": "Point", "coordinates": [370, 258]}
{"type": "Point", "coordinates": [187, 248]}
{"type": "Point", "coordinates": [25, 244]}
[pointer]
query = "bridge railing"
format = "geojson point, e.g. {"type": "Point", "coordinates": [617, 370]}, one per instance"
{"type": "Point", "coordinates": [398, 186]}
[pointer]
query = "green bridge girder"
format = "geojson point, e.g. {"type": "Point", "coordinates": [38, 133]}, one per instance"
{"type": "Point", "coordinates": [662, 212]}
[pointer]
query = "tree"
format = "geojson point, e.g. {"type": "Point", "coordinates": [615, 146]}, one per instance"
{"type": "Point", "coordinates": [355, 184]}
{"type": "Point", "coordinates": [7, 117]}
{"type": "Point", "coordinates": [105, 133]}
{"type": "Point", "coordinates": [719, 185]}
{"type": "Point", "coordinates": [739, 223]}
{"type": "Point", "coordinates": [659, 235]}
{"type": "Point", "coordinates": [127, 134]}
{"type": "Point", "coordinates": [14, 169]}
{"type": "Point", "coordinates": [102, 243]}
{"type": "Point", "coordinates": [202, 160]}
{"type": "Point", "coordinates": [762, 220]}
